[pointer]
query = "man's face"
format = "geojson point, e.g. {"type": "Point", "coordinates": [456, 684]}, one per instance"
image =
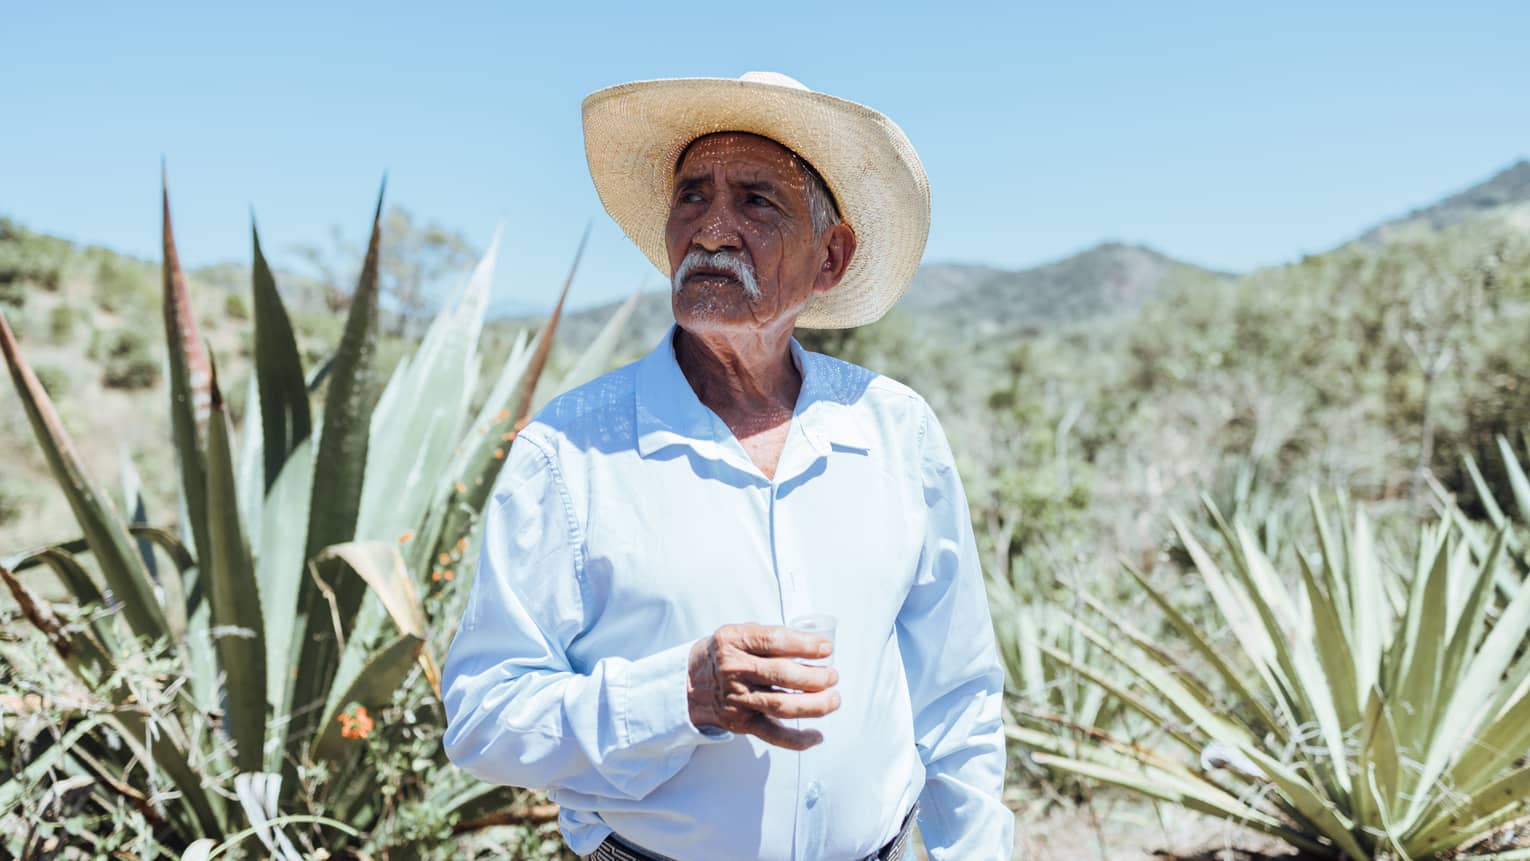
{"type": "Point", "coordinates": [740, 203]}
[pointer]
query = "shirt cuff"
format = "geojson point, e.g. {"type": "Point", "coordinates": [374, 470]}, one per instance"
{"type": "Point", "coordinates": [657, 705]}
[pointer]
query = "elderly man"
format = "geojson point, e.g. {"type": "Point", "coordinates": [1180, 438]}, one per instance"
{"type": "Point", "coordinates": [631, 643]}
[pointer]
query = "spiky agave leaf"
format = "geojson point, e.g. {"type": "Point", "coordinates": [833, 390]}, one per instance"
{"type": "Point", "coordinates": [105, 533]}
{"type": "Point", "coordinates": [1430, 749]}
{"type": "Point", "coordinates": [190, 377]}
{"type": "Point", "coordinates": [339, 471]}
{"type": "Point", "coordinates": [422, 413]}
{"type": "Point", "coordinates": [284, 410]}
{"type": "Point", "coordinates": [234, 596]}
{"type": "Point", "coordinates": [483, 449]}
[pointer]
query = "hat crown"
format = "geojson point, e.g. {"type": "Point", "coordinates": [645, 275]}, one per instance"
{"type": "Point", "coordinates": [775, 79]}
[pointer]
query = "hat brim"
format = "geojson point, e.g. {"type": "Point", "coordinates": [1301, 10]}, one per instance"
{"type": "Point", "coordinates": [634, 133]}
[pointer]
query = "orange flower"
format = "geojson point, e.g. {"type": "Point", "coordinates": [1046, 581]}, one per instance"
{"type": "Point", "coordinates": [355, 724]}
{"type": "Point", "coordinates": [406, 537]}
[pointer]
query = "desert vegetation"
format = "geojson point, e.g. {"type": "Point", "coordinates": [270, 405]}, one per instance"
{"type": "Point", "coordinates": [1256, 544]}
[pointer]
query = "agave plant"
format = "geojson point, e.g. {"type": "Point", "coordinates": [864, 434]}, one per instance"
{"type": "Point", "coordinates": [1477, 533]}
{"type": "Point", "coordinates": [1364, 712]}
{"type": "Point", "coordinates": [310, 574]}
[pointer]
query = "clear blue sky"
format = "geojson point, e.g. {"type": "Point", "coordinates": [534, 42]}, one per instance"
{"type": "Point", "coordinates": [1228, 134]}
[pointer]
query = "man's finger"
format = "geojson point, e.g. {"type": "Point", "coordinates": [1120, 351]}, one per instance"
{"type": "Point", "coordinates": [782, 736]}
{"type": "Point", "coordinates": [784, 673]}
{"type": "Point", "coordinates": [782, 705]}
{"type": "Point", "coordinates": [777, 641]}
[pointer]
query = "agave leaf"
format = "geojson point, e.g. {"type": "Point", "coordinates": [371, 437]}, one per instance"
{"type": "Point", "coordinates": [596, 357]}
{"type": "Point", "coordinates": [258, 798]}
{"type": "Point", "coordinates": [339, 470]}
{"type": "Point", "coordinates": [421, 414]}
{"type": "Point", "coordinates": [1200, 796]}
{"type": "Point", "coordinates": [1334, 653]}
{"type": "Point", "coordinates": [1499, 801]}
{"type": "Point", "coordinates": [104, 530]}
{"type": "Point", "coordinates": [249, 465]}
{"type": "Point", "coordinates": [1213, 657]}
{"type": "Point", "coordinates": [528, 387]}
{"type": "Point", "coordinates": [284, 410]}
{"type": "Point", "coordinates": [1463, 713]}
{"type": "Point", "coordinates": [1468, 614]}
{"type": "Point", "coordinates": [1295, 656]}
{"type": "Point", "coordinates": [234, 597]}
{"type": "Point", "coordinates": [1310, 802]}
{"type": "Point", "coordinates": [190, 376]}
{"type": "Point", "coordinates": [341, 463]}
{"type": "Point", "coordinates": [279, 570]}
{"type": "Point", "coordinates": [381, 566]}
{"type": "Point", "coordinates": [1253, 637]}
{"type": "Point", "coordinates": [371, 687]}
{"type": "Point", "coordinates": [1161, 680]}
{"type": "Point", "coordinates": [484, 456]}
{"type": "Point", "coordinates": [133, 507]}
{"type": "Point", "coordinates": [1418, 677]}
{"type": "Point", "coordinates": [1519, 483]}
{"type": "Point", "coordinates": [1160, 717]}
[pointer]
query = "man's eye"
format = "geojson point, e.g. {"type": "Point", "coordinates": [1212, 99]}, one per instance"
{"type": "Point", "coordinates": [690, 197]}
{"type": "Point", "coordinates": [756, 200]}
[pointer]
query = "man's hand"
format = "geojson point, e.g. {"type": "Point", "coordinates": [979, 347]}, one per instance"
{"type": "Point", "coordinates": [735, 673]}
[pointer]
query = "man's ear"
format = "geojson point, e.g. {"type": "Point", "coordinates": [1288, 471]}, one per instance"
{"type": "Point", "coordinates": [839, 248]}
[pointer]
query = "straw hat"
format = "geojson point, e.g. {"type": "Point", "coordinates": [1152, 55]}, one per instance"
{"type": "Point", "coordinates": [634, 134]}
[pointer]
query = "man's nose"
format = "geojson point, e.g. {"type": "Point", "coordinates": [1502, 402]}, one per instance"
{"type": "Point", "coordinates": [719, 228]}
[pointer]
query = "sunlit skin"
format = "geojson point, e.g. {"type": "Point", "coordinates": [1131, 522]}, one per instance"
{"type": "Point", "coordinates": [745, 194]}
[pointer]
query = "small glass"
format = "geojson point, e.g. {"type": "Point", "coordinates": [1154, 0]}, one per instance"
{"type": "Point", "coordinates": [821, 624]}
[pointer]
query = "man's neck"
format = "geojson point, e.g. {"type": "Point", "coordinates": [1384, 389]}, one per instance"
{"type": "Point", "coordinates": [747, 378]}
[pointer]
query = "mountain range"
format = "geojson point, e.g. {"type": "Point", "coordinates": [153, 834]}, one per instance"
{"type": "Point", "coordinates": [1107, 280]}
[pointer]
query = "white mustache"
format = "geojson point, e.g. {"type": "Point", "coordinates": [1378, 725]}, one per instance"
{"type": "Point", "coordinates": [734, 264]}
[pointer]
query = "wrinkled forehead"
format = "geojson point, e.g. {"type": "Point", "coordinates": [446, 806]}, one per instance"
{"type": "Point", "coordinates": [744, 152]}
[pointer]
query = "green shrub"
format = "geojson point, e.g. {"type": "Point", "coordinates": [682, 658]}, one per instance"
{"type": "Point", "coordinates": [129, 361]}
{"type": "Point", "coordinates": [121, 284]}
{"type": "Point", "coordinates": [56, 379]}
{"type": "Point", "coordinates": [235, 307]}
{"type": "Point", "coordinates": [14, 498]}
{"type": "Point", "coordinates": [28, 260]}
{"type": "Point", "coordinates": [61, 323]}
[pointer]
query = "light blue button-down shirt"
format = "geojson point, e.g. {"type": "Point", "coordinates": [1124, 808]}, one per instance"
{"type": "Point", "coordinates": [629, 522]}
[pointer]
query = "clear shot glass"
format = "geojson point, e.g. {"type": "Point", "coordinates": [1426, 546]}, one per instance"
{"type": "Point", "coordinates": [821, 624]}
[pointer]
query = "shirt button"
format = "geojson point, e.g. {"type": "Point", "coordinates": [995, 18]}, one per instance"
{"type": "Point", "coordinates": [814, 790]}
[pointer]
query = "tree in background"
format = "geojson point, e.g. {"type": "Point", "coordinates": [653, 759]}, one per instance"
{"type": "Point", "coordinates": [417, 266]}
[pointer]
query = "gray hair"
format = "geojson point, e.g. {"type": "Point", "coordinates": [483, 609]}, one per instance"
{"type": "Point", "coordinates": [823, 213]}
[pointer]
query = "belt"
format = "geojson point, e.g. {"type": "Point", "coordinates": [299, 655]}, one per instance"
{"type": "Point", "coordinates": [616, 849]}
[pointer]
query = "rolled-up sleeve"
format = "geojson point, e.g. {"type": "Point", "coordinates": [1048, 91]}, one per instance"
{"type": "Point", "coordinates": [954, 673]}
{"type": "Point", "coordinates": [517, 713]}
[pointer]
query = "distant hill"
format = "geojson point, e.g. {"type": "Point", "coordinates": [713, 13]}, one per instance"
{"type": "Point", "coordinates": [1108, 280]}
{"type": "Point", "coordinates": [1508, 189]}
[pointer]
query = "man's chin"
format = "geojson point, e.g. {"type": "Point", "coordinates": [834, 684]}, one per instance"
{"type": "Point", "coordinates": [710, 309]}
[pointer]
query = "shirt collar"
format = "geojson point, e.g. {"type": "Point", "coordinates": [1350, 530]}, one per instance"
{"type": "Point", "coordinates": [668, 411]}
